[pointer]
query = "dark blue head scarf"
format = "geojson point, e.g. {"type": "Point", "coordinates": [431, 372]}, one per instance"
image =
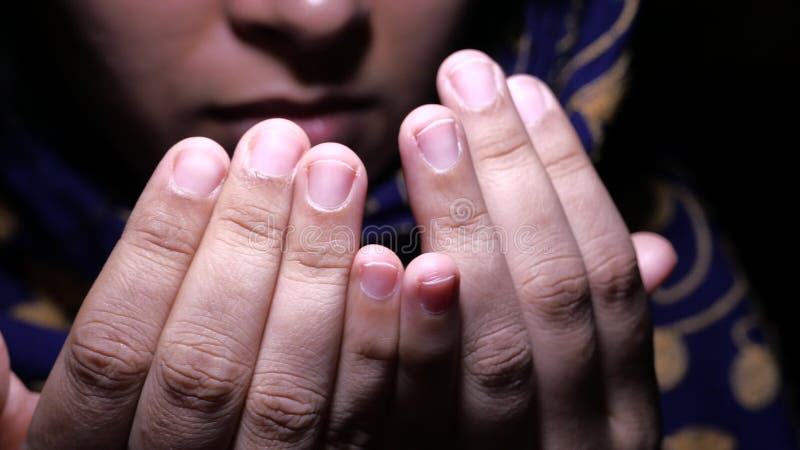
{"type": "Point", "coordinates": [720, 384]}
{"type": "Point", "coordinates": [579, 48]}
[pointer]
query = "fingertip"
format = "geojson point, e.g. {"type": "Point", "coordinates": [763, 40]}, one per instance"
{"type": "Point", "coordinates": [335, 151]}
{"type": "Point", "coordinates": [272, 148]}
{"type": "Point", "coordinates": [333, 178]}
{"type": "Point", "coordinates": [431, 134]}
{"type": "Point", "coordinates": [378, 271]}
{"type": "Point", "coordinates": [532, 98]}
{"type": "Point", "coordinates": [198, 167]}
{"type": "Point", "coordinates": [282, 125]}
{"type": "Point", "coordinates": [433, 280]}
{"type": "Point", "coordinates": [421, 117]}
{"type": "Point", "coordinates": [198, 142]}
{"type": "Point", "coordinates": [656, 258]}
{"type": "Point", "coordinates": [459, 57]}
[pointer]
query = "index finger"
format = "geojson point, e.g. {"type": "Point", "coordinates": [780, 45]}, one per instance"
{"type": "Point", "coordinates": [90, 397]}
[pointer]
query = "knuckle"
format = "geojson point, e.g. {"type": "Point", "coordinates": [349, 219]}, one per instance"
{"type": "Point", "coordinates": [616, 278]}
{"type": "Point", "coordinates": [284, 408]}
{"type": "Point", "coordinates": [324, 263]}
{"type": "Point", "coordinates": [379, 353]}
{"type": "Point", "coordinates": [104, 360]}
{"type": "Point", "coordinates": [248, 224]}
{"type": "Point", "coordinates": [471, 234]}
{"type": "Point", "coordinates": [503, 149]}
{"type": "Point", "coordinates": [161, 236]}
{"type": "Point", "coordinates": [501, 361]}
{"type": "Point", "coordinates": [558, 162]}
{"type": "Point", "coordinates": [201, 377]}
{"type": "Point", "coordinates": [558, 293]}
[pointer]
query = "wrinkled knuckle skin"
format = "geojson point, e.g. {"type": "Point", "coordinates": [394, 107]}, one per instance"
{"type": "Point", "coordinates": [559, 298]}
{"type": "Point", "coordinates": [501, 362]}
{"type": "Point", "coordinates": [103, 361]}
{"type": "Point", "coordinates": [562, 165]}
{"type": "Point", "coordinates": [251, 225]}
{"type": "Point", "coordinates": [161, 236]}
{"type": "Point", "coordinates": [313, 264]}
{"type": "Point", "coordinates": [617, 280]}
{"type": "Point", "coordinates": [200, 379]}
{"type": "Point", "coordinates": [285, 412]}
{"type": "Point", "coordinates": [500, 145]}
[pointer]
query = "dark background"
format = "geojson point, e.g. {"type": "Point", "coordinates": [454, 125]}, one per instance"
{"type": "Point", "coordinates": [714, 91]}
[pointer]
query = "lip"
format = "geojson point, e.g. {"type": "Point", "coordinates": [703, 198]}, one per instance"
{"type": "Point", "coordinates": [330, 119]}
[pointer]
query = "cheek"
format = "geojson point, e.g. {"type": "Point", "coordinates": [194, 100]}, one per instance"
{"type": "Point", "coordinates": [145, 45]}
{"type": "Point", "coordinates": [411, 39]}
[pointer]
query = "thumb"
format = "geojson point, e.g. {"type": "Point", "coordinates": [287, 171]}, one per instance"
{"type": "Point", "coordinates": [17, 404]}
{"type": "Point", "coordinates": [656, 258]}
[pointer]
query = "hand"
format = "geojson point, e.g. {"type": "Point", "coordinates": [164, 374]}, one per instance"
{"type": "Point", "coordinates": [556, 346]}
{"type": "Point", "coordinates": [17, 404]}
{"type": "Point", "coordinates": [237, 310]}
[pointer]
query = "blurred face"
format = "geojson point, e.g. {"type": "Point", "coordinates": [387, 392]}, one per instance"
{"type": "Point", "coordinates": [344, 70]}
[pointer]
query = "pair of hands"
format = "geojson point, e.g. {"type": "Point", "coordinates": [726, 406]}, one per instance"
{"type": "Point", "coordinates": [238, 311]}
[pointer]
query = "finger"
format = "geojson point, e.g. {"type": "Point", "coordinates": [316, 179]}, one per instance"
{"type": "Point", "coordinates": [618, 295]}
{"type": "Point", "coordinates": [209, 344]}
{"type": "Point", "coordinates": [497, 376]}
{"type": "Point", "coordinates": [17, 404]}
{"type": "Point", "coordinates": [368, 359]}
{"type": "Point", "coordinates": [543, 258]}
{"type": "Point", "coordinates": [294, 376]}
{"type": "Point", "coordinates": [90, 397]}
{"type": "Point", "coordinates": [429, 338]}
{"type": "Point", "coordinates": [656, 259]}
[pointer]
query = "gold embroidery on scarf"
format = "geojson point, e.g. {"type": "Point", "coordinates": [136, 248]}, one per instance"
{"type": "Point", "coordinates": [672, 353]}
{"type": "Point", "coordinates": [523, 53]}
{"type": "Point", "coordinates": [754, 376]}
{"type": "Point", "coordinates": [704, 252]}
{"type": "Point", "coordinates": [700, 438]}
{"type": "Point", "coordinates": [41, 311]}
{"type": "Point", "coordinates": [672, 358]}
{"type": "Point", "coordinates": [571, 23]}
{"type": "Point", "coordinates": [602, 43]}
{"type": "Point", "coordinates": [663, 210]}
{"type": "Point", "coordinates": [598, 101]}
{"type": "Point", "coordinates": [709, 316]}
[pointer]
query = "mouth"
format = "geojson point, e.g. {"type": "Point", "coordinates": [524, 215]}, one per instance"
{"type": "Point", "coordinates": [330, 119]}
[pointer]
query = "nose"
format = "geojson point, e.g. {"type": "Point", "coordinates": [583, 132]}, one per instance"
{"type": "Point", "coordinates": [303, 20]}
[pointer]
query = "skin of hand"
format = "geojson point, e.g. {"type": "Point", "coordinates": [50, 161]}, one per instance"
{"type": "Point", "coordinates": [237, 309]}
{"type": "Point", "coordinates": [556, 347]}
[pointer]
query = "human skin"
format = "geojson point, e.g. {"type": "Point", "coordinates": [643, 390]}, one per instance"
{"type": "Point", "coordinates": [546, 343]}
{"type": "Point", "coordinates": [215, 68]}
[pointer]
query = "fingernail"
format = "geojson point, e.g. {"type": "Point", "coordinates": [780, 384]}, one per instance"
{"type": "Point", "coordinates": [379, 280]}
{"type": "Point", "coordinates": [439, 144]}
{"type": "Point", "coordinates": [329, 183]}
{"type": "Point", "coordinates": [274, 153]}
{"type": "Point", "coordinates": [530, 101]}
{"type": "Point", "coordinates": [475, 84]}
{"type": "Point", "coordinates": [437, 293]}
{"type": "Point", "coordinates": [198, 171]}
